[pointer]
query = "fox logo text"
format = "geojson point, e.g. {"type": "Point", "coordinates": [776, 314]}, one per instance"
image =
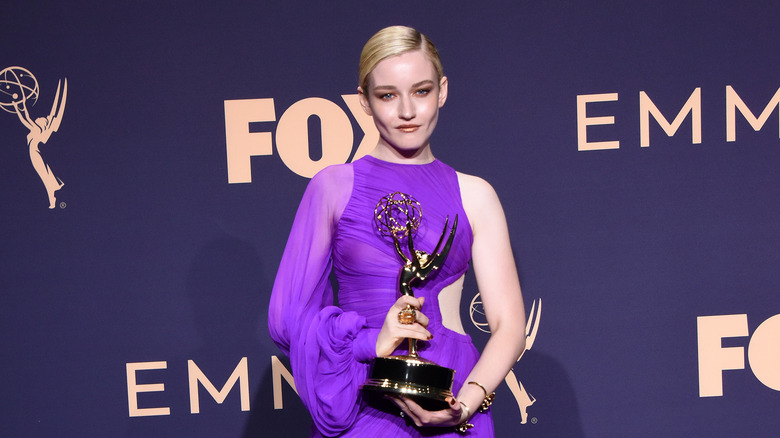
{"type": "Point", "coordinates": [763, 354]}
{"type": "Point", "coordinates": [292, 134]}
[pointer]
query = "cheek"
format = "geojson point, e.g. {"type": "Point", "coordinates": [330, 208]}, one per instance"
{"type": "Point", "coordinates": [379, 117]}
{"type": "Point", "coordinates": [431, 109]}
{"type": "Point", "coordinates": [384, 115]}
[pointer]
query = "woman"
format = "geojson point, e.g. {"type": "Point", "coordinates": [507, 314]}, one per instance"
{"type": "Point", "coordinates": [402, 87]}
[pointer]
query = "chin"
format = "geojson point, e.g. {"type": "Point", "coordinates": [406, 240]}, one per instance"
{"type": "Point", "coordinates": [409, 145]}
{"type": "Point", "coordinates": [408, 150]}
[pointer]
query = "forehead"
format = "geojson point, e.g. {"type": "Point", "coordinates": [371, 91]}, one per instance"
{"type": "Point", "coordinates": [404, 69]}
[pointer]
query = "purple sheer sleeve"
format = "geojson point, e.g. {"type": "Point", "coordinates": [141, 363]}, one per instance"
{"type": "Point", "coordinates": [328, 348]}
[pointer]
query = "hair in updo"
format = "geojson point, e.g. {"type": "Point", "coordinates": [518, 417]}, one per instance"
{"type": "Point", "coordinates": [394, 41]}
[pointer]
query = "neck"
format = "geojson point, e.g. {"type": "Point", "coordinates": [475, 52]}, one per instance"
{"type": "Point", "coordinates": [424, 155]}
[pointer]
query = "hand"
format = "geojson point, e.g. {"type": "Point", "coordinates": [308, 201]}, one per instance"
{"type": "Point", "coordinates": [393, 332]}
{"type": "Point", "coordinates": [453, 415]}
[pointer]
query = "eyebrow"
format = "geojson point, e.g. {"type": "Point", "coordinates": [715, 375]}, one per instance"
{"type": "Point", "coordinates": [415, 85]}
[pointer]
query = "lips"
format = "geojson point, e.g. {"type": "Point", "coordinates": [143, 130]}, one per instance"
{"type": "Point", "coordinates": [408, 128]}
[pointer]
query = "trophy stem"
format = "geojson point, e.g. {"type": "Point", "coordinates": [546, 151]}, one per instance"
{"type": "Point", "coordinates": [412, 347]}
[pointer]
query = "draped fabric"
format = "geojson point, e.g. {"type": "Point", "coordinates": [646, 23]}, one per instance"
{"type": "Point", "coordinates": [331, 347]}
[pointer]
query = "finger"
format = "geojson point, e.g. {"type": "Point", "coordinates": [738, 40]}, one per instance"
{"type": "Point", "coordinates": [396, 401]}
{"type": "Point", "coordinates": [410, 316]}
{"type": "Point", "coordinates": [400, 402]}
{"type": "Point", "coordinates": [456, 409]}
{"type": "Point", "coordinates": [415, 331]}
{"type": "Point", "coordinates": [407, 300]}
{"type": "Point", "coordinates": [405, 414]}
{"type": "Point", "coordinates": [413, 407]}
{"type": "Point", "coordinates": [422, 319]}
{"type": "Point", "coordinates": [412, 410]}
{"type": "Point", "coordinates": [445, 417]}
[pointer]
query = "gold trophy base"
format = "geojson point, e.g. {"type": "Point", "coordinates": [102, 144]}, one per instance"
{"type": "Point", "coordinates": [428, 384]}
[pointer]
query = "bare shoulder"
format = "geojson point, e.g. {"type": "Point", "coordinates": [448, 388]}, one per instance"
{"type": "Point", "coordinates": [478, 196]}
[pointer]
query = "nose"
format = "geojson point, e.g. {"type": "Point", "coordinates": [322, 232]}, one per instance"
{"type": "Point", "coordinates": [406, 109]}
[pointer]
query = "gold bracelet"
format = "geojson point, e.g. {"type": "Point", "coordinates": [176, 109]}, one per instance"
{"type": "Point", "coordinates": [463, 427]}
{"type": "Point", "coordinates": [488, 397]}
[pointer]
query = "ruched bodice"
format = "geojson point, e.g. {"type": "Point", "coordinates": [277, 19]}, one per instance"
{"type": "Point", "coordinates": [365, 261]}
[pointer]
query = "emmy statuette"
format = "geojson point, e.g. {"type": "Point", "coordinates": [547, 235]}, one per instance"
{"type": "Point", "coordinates": [427, 383]}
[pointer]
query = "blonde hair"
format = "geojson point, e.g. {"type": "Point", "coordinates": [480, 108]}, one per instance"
{"type": "Point", "coordinates": [394, 41]}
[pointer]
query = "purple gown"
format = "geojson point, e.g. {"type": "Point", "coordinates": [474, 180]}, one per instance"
{"type": "Point", "coordinates": [331, 347]}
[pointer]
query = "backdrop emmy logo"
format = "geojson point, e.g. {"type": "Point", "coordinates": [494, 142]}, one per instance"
{"type": "Point", "coordinates": [523, 398]}
{"type": "Point", "coordinates": [19, 92]}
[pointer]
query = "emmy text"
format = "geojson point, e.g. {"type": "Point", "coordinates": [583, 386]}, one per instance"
{"type": "Point", "coordinates": [692, 106]}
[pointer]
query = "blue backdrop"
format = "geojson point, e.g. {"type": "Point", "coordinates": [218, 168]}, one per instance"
{"type": "Point", "coordinates": [138, 302]}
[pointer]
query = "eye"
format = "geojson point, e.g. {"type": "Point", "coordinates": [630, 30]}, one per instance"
{"type": "Point", "coordinates": [385, 96]}
{"type": "Point", "coordinates": [423, 91]}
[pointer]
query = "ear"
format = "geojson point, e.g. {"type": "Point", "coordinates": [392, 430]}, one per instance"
{"type": "Point", "coordinates": [442, 91]}
{"type": "Point", "coordinates": [363, 98]}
